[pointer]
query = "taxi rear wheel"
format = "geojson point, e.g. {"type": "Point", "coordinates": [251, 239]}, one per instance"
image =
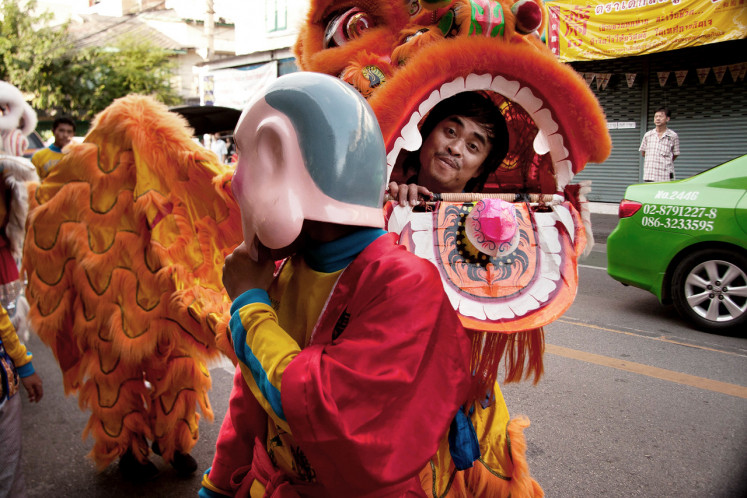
{"type": "Point", "coordinates": [709, 288]}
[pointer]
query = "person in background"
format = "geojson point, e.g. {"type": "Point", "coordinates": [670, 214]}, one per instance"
{"type": "Point", "coordinates": [63, 129]}
{"type": "Point", "coordinates": [219, 147]}
{"type": "Point", "coordinates": [466, 139]}
{"type": "Point", "coordinates": [659, 148]}
{"type": "Point", "coordinates": [230, 146]}
{"type": "Point", "coordinates": [17, 121]}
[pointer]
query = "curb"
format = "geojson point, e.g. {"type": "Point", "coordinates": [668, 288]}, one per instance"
{"type": "Point", "coordinates": [603, 208]}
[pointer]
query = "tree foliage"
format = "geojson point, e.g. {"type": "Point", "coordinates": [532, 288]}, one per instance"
{"type": "Point", "coordinates": [43, 61]}
{"type": "Point", "coordinates": [28, 45]}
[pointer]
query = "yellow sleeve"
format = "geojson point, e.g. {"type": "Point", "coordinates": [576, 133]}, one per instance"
{"type": "Point", "coordinates": [38, 161]}
{"type": "Point", "coordinates": [263, 348]}
{"type": "Point", "coordinates": [12, 345]}
{"type": "Point", "coordinates": [207, 484]}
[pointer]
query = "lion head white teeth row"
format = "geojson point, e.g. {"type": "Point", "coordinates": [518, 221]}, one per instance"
{"type": "Point", "coordinates": [548, 139]}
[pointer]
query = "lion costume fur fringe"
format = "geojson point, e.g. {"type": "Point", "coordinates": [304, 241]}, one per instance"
{"type": "Point", "coordinates": [126, 239]}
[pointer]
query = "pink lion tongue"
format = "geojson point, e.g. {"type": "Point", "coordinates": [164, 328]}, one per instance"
{"type": "Point", "coordinates": [497, 220]}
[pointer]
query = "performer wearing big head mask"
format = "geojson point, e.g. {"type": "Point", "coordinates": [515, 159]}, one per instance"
{"type": "Point", "coordinates": [352, 363]}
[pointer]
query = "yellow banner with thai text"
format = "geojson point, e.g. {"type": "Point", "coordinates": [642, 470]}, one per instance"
{"type": "Point", "coordinates": [607, 30]}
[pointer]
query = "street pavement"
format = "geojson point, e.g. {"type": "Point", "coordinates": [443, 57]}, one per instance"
{"type": "Point", "coordinates": [602, 225]}
{"type": "Point", "coordinates": [603, 220]}
{"type": "Point", "coordinates": [55, 457]}
{"type": "Point", "coordinates": [634, 400]}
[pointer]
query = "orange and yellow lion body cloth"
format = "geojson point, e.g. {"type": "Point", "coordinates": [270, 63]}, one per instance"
{"type": "Point", "coordinates": [126, 240]}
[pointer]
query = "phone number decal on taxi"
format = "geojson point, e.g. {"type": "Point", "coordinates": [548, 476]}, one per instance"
{"type": "Point", "coordinates": [679, 217]}
{"type": "Point", "coordinates": [684, 211]}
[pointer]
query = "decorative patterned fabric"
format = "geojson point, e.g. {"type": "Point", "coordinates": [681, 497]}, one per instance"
{"type": "Point", "coordinates": [528, 283]}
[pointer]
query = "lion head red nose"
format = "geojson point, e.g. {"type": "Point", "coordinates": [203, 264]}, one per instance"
{"type": "Point", "coordinates": [528, 16]}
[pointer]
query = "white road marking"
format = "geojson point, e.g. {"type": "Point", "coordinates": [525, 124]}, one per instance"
{"type": "Point", "coordinates": [594, 267]}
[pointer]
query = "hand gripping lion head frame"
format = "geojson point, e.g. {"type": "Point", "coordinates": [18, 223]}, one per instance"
{"type": "Point", "coordinates": [406, 56]}
{"type": "Point", "coordinates": [309, 149]}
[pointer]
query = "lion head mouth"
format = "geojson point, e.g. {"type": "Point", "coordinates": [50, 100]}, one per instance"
{"type": "Point", "coordinates": [407, 56]}
{"type": "Point", "coordinates": [406, 59]}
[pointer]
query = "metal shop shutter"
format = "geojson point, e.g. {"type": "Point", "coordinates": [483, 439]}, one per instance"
{"type": "Point", "coordinates": [287, 66]}
{"type": "Point", "coordinates": [621, 105]}
{"type": "Point", "coordinates": [710, 118]}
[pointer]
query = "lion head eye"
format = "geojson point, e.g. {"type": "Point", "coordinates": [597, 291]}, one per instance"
{"type": "Point", "coordinates": [346, 26]}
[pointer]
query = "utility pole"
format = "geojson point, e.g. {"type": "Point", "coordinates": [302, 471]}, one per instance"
{"type": "Point", "coordinates": [210, 30]}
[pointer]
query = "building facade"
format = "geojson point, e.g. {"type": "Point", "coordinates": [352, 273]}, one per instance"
{"type": "Point", "coordinates": [265, 36]}
{"type": "Point", "coordinates": [192, 31]}
{"type": "Point", "coordinates": [708, 102]}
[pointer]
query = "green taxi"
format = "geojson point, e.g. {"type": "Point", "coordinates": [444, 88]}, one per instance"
{"type": "Point", "coordinates": [686, 242]}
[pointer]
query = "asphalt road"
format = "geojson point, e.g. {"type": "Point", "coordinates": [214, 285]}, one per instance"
{"type": "Point", "coordinates": [55, 458]}
{"type": "Point", "coordinates": [633, 403]}
{"type": "Point", "coordinates": [602, 225]}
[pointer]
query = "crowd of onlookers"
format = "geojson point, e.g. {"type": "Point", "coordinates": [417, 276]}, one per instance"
{"type": "Point", "coordinates": [222, 145]}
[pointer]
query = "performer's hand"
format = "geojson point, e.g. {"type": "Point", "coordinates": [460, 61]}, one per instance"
{"type": "Point", "coordinates": [408, 195]}
{"type": "Point", "coordinates": [241, 272]}
{"type": "Point", "coordinates": [33, 385]}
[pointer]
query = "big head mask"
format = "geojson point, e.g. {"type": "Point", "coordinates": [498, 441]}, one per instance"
{"type": "Point", "coordinates": [310, 148]}
{"type": "Point", "coordinates": [17, 119]}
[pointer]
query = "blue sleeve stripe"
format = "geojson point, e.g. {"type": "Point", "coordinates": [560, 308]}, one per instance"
{"type": "Point", "coordinates": [238, 335]}
{"type": "Point", "coordinates": [25, 370]}
{"type": "Point", "coordinates": [246, 356]}
{"type": "Point", "coordinates": [248, 297]}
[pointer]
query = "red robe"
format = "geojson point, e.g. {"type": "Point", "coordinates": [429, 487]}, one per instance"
{"type": "Point", "coordinates": [369, 407]}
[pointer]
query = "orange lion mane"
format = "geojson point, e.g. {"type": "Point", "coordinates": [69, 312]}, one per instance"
{"type": "Point", "coordinates": [126, 238]}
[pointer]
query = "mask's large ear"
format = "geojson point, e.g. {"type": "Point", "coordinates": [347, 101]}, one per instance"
{"type": "Point", "coordinates": [16, 112]}
{"type": "Point", "coordinates": [268, 178]}
{"type": "Point", "coordinates": [278, 146]}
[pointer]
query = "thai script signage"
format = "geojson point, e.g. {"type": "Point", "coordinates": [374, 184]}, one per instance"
{"type": "Point", "coordinates": [607, 30]}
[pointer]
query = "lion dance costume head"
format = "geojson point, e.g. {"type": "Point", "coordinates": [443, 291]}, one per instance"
{"type": "Point", "coordinates": [406, 56]}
